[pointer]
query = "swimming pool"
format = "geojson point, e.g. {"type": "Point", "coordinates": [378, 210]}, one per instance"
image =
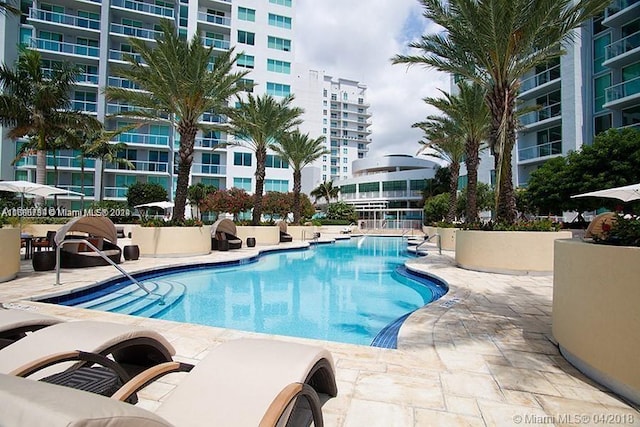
{"type": "Point", "coordinates": [348, 291]}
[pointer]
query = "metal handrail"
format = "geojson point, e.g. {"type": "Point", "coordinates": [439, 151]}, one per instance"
{"type": "Point", "coordinates": [106, 258]}
{"type": "Point", "coordinates": [426, 240]}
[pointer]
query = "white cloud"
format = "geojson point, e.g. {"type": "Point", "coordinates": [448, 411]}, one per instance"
{"type": "Point", "coordinates": [356, 40]}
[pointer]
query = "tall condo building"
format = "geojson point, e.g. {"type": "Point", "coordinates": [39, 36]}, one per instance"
{"type": "Point", "coordinates": [95, 35]}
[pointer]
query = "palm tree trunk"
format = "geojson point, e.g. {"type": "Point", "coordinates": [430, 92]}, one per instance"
{"type": "Point", "coordinates": [297, 188]}
{"type": "Point", "coordinates": [472, 161]}
{"type": "Point", "coordinates": [187, 139]}
{"type": "Point", "coordinates": [502, 138]}
{"type": "Point", "coordinates": [453, 191]}
{"type": "Point", "coordinates": [261, 161]}
{"type": "Point", "coordinates": [41, 172]}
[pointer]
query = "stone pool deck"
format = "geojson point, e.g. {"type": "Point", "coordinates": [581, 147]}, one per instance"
{"type": "Point", "coordinates": [483, 355]}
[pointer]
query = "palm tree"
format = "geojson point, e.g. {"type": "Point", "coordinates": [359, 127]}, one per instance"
{"type": "Point", "coordinates": [326, 191]}
{"type": "Point", "coordinates": [495, 43]}
{"type": "Point", "coordinates": [176, 80]}
{"type": "Point", "coordinates": [98, 146]}
{"type": "Point", "coordinates": [258, 122]}
{"type": "Point", "coordinates": [35, 104]}
{"type": "Point", "coordinates": [444, 140]}
{"type": "Point", "coordinates": [299, 150]}
{"type": "Point", "coordinates": [6, 6]}
{"type": "Point", "coordinates": [469, 113]}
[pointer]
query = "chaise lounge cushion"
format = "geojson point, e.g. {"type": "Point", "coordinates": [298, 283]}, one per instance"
{"type": "Point", "coordinates": [35, 404]}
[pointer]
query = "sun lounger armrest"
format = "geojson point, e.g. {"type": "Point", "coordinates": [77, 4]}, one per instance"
{"type": "Point", "coordinates": [279, 406]}
{"type": "Point", "coordinates": [69, 356]}
{"type": "Point", "coordinates": [147, 376]}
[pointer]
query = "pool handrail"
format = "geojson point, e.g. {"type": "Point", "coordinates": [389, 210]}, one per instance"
{"type": "Point", "coordinates": [427, 239]}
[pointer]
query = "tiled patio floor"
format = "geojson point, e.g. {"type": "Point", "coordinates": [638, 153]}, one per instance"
{"type": "Point", "coordinates": [481, 356]}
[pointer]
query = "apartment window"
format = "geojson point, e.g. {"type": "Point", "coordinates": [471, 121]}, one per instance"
{"type": "Point", "coordinates": [211, 181]}
{"type": "Point", "coordinates": [276, 66]}
{"type": "Point", "coordinates": [158, 161]}
{"type": "Point", "coordinates": [246, 61]}
{"type": "Point", "coordinates": [345, 96]}
{"type": "Point", "coordinates": [348, 189]}
{"type": "Point", "coordinates": [549, 141]}
{"type": "Point", "coordinates": [278, 43]}
{"type": "Point", "coordinates": [246, 37]}
{"type": "Point", "coordinates": [600, 88]}
{"type": "Point", "coordinates": [242, 159]}
{"type": "Point", "coordinates": [278, 89]}
{"type": "Point", "coordinates": [210, 158]}
{"type": "Point", "coordinates": [631, 116]}
{"type": "Point", "coordinates": [324, 158]}
{"type": "Point", "coordinates": [84, 101]}
{"type": "Point", "coordinates": [279, 21]}
{"type": "Point", "coordinates": [92, 20]}
{"type": "Point", "coordinates": [324, 93]}
{"type": "Point", "coordinates": [286, 3]}
{"type": "Point", "coordinates": [550, 104]}
{"type": "Point", "coordinates": [345, 169]}
{"type": "Point", "coordinates": [599, 52]}
{"type": "Point", "coordinates": [394, 186]}
{"type": "Point", "coordinates": [417, 184]}
{"type": "Point", "coordinates": [597, 24]}
{"type": "Point", "coordinates": [247, 85]}
{"type": "Point", "coordinates": [602, 123]}
{"type": "Point", "coordinates": [245, 14]}
{"type": "Point", "coordinates": [345, 151]}
{"type": "Point", "coordinates": [276, 162]}
{"type": "Point", "coordinates": [324, 168]}
{"type": "Point", "coordinates": [368, 187]}
{"type": "Point", "coordinates": [242, 183]}
{"type": "Point", "coordinates": [279, 185]}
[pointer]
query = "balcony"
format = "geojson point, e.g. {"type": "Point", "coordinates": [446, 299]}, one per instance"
{"type": "Point", "coordinates": [545, 81]}
{"type": "Point", "coordinates": [206, 142]}
{"type": "Point", "coordinates": [117, 108]}
{"type": "Point", "coordinates": [212, 118]}
{"type": "Point", "coordinates": [623, 94]}
{"type": "Point", "coordinates": [137, 6]}
{"type": "Point", "coordinates": [89, 190]}
{"type": "Point", "coordinates": [623, 52]}
{"type": "Point", "coordinates": [118, 55]}
{"type": "Point", "coordinates": [540, 151]}
{"type": "Point", "coordinates": [143, 139]}
{"type": "Point", "coordinates": [86, 106]}
{"type": "Point", "coordinates": [222, 21]}
{"type": "Point", "coordinates": [116, 192]}
{"type": "Point", "coordinates": [216, 43]}
{"type": "Point", "coordinates": [207, 169]}
{"type": "Point", "coordinates": [140, 33]}
{"type": "Point", "coordinates": [70, 162]}
{"type": "Point", "coordinates": [620, 12]}
{"type": "Point", "coordinates": [140, 165]}
{"type": "Point", "coordinates": [542, 117]}
{"type": "Point", "coordinates": [64, 19]}
{"type": "Point", "coordinates": [123, 83]}
{"type": "Point", "coordinates": [82, 78]}
{"type": "Point", "coordinates": [65, 48]}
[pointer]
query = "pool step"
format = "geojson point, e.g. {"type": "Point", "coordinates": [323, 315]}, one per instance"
{"type": "Point", "coordinates": [134, 301]}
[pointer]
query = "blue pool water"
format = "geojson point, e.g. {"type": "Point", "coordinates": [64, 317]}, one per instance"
{"type": "Point", "coordinates": [347, 291]}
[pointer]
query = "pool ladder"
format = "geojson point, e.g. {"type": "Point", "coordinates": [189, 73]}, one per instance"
{"type": "Point", "coordinates": [427, 239]}
{"type": "Point", "coordinates": [106, 258]}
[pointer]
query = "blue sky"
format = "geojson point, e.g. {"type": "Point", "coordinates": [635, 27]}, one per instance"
{"type": "Point", "coordinates": [356, 39]}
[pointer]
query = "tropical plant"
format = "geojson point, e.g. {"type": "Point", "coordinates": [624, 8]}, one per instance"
{"type": "Point", "coordinates": [436, 208]}
{"type": "Point", "coordinates": [343, 211]}
{"type": "Point", "coordinates": [445, 140]}
{"type": "Point", "coordinates": [258, 123]}
{"type": "Point", "coordinates": [98, 145]}
{"type": "Point", "coordinates": [325, 191]}
{"type": "Point", "coordinates": [484, 199]}
{"type": "Point", "coordinates": [470, 115]}
{"type": "Point", "coordinates": [35, 104]}
{"type": "Point", "coordinates": [299, 150]}
{"type": "Point", "coordinates": [8, 6]}
{"type": "Point", "coordinates": [277, 204]}
{"type": "Point", "coordinates": [495, 43]}
{"type": "Point", "coordinates": [140, 193]}
{"type": "Point", "coordinates": [438, 184]}
{"type": "Point", "coordinates": [197, 195]}
{"type": "Point", "coordinates": [175, 79]}
{"type": "Point", "coordinates": [233, 201]}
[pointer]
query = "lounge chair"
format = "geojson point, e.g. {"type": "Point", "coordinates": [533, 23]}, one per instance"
{"type": "Point", "coordinates": [224, 229]}
{"type": "Point", "coordinates": [240, 383]}
{"type": "Point", "coordinates": [99, 231]}
{"type": "Point", "coordinates": [14, 324]}
{"type": "Point", "coordinates": [284, 236]}
{"type": "Point", "coordinates": [133, 348]}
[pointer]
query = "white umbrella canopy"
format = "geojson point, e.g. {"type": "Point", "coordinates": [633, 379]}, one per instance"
{"type": "Point", "coordinates": [627, 193]}
{"type": "Point", "coordinates": [163, 205]}
{"type": "Point", "coordinates": [27, 187]}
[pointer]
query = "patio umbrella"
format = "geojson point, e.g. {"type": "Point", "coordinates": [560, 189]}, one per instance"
{"type": "Point", "coordinates": [626, 193]}
{"type": "Point", "coordinates": [27, 187]}
{"type": "Point", "coordinates": [163, 205]}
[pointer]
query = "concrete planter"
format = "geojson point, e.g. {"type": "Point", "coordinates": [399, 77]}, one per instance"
{"type": "Point", "coordinates": [172, 241]}
{"type": "Point", "coordinates": [510, 252]}
{"type": "Point", "coordinates": [429, 230]}
{"type": "Point", "coordinates": [9, 253]}
{"type": "Point", "coordinates": [447, 238]}
{"type": "Point", "coordinates": [264, 235]}
{"type": "Point", "coordinates": [596, 295]}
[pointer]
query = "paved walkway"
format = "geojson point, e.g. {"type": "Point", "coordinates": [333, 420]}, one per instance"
{"type": "Point", "coordinates": [483, 355]}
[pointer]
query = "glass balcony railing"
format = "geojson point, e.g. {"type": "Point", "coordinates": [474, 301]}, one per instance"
{"type": "Point", "coordinates": [141, 165]}
{"type": "Point", "coordinates": [207, 142]}
{"type": "Point", "coordinates": [545, 113]}
{"type": "Point", "coordinates": [138, 6]}
{"type": "Point", "coordinates": [212, 118]}
{"type": "Point", "coordinates": [119, 192]}
{"type": "Point", "coordinates": [69, 162]}
{"type": "Point", "coordinates": [216, 43]}
{"type": "Point", "coordinates": [88, 106]}
{"type": "Point", "coordinates": [119, 55]}
{"type": "Point", "coordinates": [617, 6]}
{"type": "Point", "coordinates": [141, 33]}
{"type": "Point", "coordinates": [214, 19]}
{"type": "Point", "coordinates": [62, 47]}
{"type": "Point", "coordinates": [539, 79]}
{"type": "Point", "coordinates": [81, 78]}
{"type": "Point", "coordinates": [542, 150]}
{"type": "Point", "coordinates": [117, 108]}
{"type": "Point", "coordinates": [623, 45]}
{"type": "Point", "coordinates": [64, 19]}
{"type": "Point", "coordinates": [143, 138]}
{"type": "Point", "coordinates": [209, 169]}
{"type": "Point", "coordinates": [123, 83]}
{"type": "Point", "coordinates": [89, 190]}
{"type": "Point", "coordinates": [622, 90]}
